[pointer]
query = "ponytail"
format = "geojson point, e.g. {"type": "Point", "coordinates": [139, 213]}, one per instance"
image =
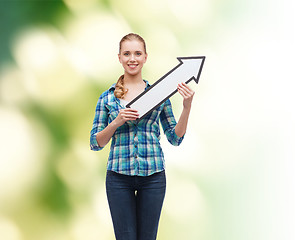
{"type": "Point", "coordinates": [120, 91]}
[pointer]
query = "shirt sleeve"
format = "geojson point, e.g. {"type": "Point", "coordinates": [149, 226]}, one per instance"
{"type": "Point", "coordinates": [168, 123]}
{"type": "Point", "coordinates": [99, 123]}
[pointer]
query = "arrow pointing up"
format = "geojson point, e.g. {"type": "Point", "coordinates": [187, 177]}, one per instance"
{"type": "Point", "coordinates": [188, 69]}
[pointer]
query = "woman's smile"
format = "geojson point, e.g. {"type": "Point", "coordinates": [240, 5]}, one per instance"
{"type": "Point", "coordinates": [132, 65]}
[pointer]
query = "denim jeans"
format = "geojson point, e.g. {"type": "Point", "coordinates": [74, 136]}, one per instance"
{"type": "Point", "coordinates": [135, 203]}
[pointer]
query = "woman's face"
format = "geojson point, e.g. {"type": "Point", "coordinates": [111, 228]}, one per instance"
{"type": "Point", "coordinates": [132, 56]}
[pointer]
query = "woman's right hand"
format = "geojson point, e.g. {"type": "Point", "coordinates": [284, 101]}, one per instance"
{"type": "Point", "coordinates": [104, 136]}
{"type": "Point", "coordinates": [127, 114]}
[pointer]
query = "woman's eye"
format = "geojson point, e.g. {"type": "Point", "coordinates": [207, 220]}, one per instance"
{"type": "Point", "coordinates": [126, 54]}
{"type": "Point", "coordinates": [138, 54]}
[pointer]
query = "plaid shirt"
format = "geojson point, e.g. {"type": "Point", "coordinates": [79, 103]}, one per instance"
{"type": "Point", "coordinates": [135, 147]}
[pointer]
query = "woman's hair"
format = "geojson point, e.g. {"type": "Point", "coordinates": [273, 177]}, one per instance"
{"type": "Point", "coordinates": [120, 91]}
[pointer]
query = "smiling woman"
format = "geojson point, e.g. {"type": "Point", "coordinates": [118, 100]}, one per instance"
{"type": "Point", "coordinates": [135, 179]}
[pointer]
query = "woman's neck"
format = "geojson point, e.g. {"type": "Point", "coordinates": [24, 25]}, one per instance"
{"type": "Point", "coordinates": [129, 79]}
{"type": "Point", "coordinates": [134, 86]}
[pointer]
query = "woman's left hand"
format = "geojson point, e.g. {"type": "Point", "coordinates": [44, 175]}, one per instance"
{"type": "Point", "coordinates": [187, 93]}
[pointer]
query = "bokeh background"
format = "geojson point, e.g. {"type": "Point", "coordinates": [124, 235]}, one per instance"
{"type": "Point", "coordinates": [233, 176]}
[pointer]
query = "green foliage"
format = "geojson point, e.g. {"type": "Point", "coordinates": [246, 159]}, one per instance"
{"type": "Point", "coordinates": [16, 15]}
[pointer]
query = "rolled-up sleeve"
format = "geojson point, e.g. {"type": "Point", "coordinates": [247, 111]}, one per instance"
{"type": "Point", "coordinates": [99, 123]}
{"type": "Point", "coordinates": [168, 123]}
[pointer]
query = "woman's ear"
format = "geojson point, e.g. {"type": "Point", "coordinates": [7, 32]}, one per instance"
{"type": "Point", "coordinates": [145, 58]}
{"type": "Point", "coordinates": [119, 56]}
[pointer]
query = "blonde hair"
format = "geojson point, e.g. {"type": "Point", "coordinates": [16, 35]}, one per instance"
{"type": "Point", "coordinates": [120, 91]}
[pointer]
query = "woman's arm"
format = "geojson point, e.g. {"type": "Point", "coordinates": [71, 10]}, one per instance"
{"type": "Point", "coordinates": [104, 136]}
{"type": "Point", "coordinates": [187, 93]}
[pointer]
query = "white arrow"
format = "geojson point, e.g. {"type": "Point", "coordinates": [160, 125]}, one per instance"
{"type": "Point", "coordinates": [188, 69]}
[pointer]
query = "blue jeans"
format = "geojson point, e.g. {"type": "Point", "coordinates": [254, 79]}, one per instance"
{"type": "Point", "coordinates": [135, 203]}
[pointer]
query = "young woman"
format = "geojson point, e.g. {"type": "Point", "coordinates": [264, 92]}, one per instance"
{"type": "Point", "coordinates": [135, 179]}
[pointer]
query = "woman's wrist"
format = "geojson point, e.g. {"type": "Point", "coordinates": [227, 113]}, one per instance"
{"type": "Point", "coordinates": [115, 124]}
{"type": "Point", "coordinates": [186, 109]}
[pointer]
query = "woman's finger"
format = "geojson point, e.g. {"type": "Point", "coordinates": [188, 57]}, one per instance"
{"type": "Point", "coordinates": [129, 114]}
{"type": "Point", "coordinates": [129, 110]}
{"type": "Point", "coordinates": [186, 88]}
{"type": "Point", "coordinates": [187, 91]}
{"type": "Point", "coordinates": [182, 92]}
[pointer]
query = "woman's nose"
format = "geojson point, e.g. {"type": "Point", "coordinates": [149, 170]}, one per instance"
{"type": "Point", "coordinates": [132, 57]}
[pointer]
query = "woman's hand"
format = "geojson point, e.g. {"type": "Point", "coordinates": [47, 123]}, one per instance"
{"type": "Point", "coordinates": [126, 114]}
{"type": "Point", "coordinates": [187, 93]}
{"type": "Point", "coordinates": [104, 136]}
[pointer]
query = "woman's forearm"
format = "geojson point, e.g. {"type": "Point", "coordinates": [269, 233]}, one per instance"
{"type": "Point", "coordinates": [181, 126]}
{"type": "Point", "coordinates": [187, 93]}
{"type": "Point", "coordinates": [104, 136]}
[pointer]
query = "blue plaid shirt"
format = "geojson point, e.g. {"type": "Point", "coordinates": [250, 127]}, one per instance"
{"type": "Point", "coordinates": [135, 147]}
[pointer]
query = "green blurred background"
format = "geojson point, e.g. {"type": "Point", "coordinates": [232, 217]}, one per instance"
{"type": "Point", "coordinates": [233, 176]}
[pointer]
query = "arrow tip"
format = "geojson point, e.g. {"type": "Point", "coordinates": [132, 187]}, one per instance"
{"type": "Point", "coordinates": [193, 64]}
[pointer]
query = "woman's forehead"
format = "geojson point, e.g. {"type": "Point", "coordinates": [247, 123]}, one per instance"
{"type": "Point", "coordinates": [132, 45]}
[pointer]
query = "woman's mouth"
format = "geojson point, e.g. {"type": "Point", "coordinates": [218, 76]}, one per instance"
{"type": "Point", "coordinates": [132, 65]}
